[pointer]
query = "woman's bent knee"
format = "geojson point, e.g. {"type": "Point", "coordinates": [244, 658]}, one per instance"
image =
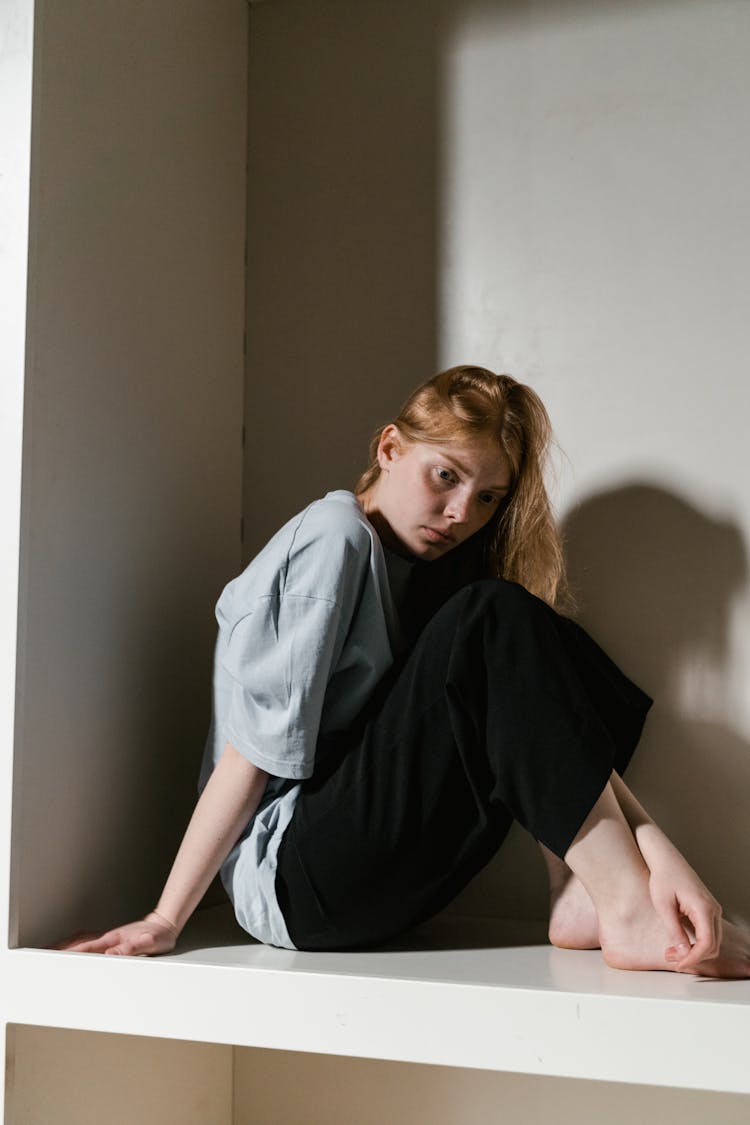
{"type": "Point", "coordinates": [508, 596]}
{"type": "Point", "coordinates": [485, 600]}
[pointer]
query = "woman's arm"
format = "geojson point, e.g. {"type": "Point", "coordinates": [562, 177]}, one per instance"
{"type": "Point", "coordinates": [227, 803]}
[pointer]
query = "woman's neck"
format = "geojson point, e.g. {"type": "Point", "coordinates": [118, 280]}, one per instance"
{"type": "Point", "coordinates": [368, 503]}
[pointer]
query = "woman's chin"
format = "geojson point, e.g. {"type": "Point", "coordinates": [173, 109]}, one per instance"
{"type": "Point", "coordinates": [427, 550]}
{"type": "Point", "coordinates": [418, 545]}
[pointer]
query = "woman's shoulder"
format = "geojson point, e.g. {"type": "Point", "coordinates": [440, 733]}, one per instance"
{"type": "Point", "coordinates": [326, 545]}
{"type": "Point", "coordinates": [336, 516]}
{"type": "Point", "coordinates": [331, 538]}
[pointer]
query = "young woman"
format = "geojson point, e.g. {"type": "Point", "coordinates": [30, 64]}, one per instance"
{"type": "Point", "coordinates": [395, 683]}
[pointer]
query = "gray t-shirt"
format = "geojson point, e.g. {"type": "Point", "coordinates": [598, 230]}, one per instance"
{"type": "Point", "coordinates": [305, 634]}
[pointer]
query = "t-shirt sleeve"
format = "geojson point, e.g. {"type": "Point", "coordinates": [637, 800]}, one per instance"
{"type": "Point", "coordinates": [280, 656]}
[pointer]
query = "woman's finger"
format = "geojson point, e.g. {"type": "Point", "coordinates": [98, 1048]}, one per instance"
{"type": "Point", "coordinates": [707, 925]}
{"type": "Point", "coordinates": [97, 945]}
{"type": "Point", "coordinates": [136, 939]}
{"type": "Point", "coordinates": [74, 940]}
{"type": "Point", "coordinates": [678, 939]}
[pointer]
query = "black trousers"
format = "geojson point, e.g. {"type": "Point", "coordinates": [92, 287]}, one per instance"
{"type": "Point", "coordinates": [502, 710]}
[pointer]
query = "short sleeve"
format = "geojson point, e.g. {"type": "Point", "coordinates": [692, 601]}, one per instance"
{"type": "Point", "coordinates": [279, 659]}
{"type": "Point", "coordinates": [284, 625]}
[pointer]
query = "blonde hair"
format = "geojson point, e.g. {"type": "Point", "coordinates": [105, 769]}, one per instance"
{"type": "Point", "coordinates": [521, 542]}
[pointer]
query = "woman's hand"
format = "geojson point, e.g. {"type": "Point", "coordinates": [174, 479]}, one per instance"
{"type": "Point", "coordinates": [228, 802]}
{"type": "Point", "coordinates": [151, 935]}
{"type": "Point", "coordinates": [688, 910]}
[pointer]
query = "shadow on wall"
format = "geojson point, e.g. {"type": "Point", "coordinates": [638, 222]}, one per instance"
{"type": "Point", "coordinates": [656, 580]}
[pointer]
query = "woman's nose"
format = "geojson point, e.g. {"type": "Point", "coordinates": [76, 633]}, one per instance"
{"type": "Point", "coordinates": [457, 508]}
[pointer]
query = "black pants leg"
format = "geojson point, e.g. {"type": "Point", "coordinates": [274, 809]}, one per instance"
{"type": "Point", "coordinates": [502, 710]}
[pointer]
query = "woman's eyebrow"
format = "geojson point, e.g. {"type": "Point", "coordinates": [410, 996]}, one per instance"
{"type": "Point", "coordinates": [462, 468]}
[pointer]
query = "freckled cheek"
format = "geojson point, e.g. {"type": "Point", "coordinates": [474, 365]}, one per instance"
{"type": "Point", "coordinates": [429, 498]}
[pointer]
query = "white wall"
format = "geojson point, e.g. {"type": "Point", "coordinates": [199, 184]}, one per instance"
{"type": "Point", "coordinates": [554, 188]}
{"type": "Point", "coordinates": [132, 453]}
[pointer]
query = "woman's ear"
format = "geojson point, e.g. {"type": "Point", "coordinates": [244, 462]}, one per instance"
{"type": "Point", "coordinates": [390, 446]}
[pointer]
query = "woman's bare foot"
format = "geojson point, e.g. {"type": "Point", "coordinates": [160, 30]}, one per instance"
{"type": "Point", "coordinates": [638, 941]}
{"type": "Point", "coordinates": [635, 938]}
{"type": "Point", "coordinates": [573, 923]}
{"type": "Point", "coordinates": [733, 962]}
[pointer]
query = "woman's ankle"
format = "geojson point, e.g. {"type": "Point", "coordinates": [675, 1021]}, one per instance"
{"type": "Point", "coordinates": [573, 922]}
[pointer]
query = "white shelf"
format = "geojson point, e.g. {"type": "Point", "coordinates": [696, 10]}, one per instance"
{"type": "Point", "coordinates": [460, 994]}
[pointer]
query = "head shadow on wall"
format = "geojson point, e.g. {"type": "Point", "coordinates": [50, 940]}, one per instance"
{"type": "Point", "coordinates": [657, 580]}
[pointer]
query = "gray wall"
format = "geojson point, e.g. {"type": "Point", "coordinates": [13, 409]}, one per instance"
{"type": "Point", "coordinates": [132, 458]}
{"type": "Point", "coordinates": [342, 257]}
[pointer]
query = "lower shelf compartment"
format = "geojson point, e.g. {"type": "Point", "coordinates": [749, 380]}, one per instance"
{"type": "Point", "coordinates": [63, 1077]}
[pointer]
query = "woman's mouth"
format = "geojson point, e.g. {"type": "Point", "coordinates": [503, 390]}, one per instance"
{"type": "Point", "coordinates": [436, 536]}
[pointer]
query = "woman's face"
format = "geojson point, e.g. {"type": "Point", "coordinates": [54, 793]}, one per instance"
{"type": "Point", "coordinates": [429, 498]}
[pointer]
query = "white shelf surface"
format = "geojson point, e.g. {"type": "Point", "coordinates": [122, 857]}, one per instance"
{"type": "Point", "coordinates": [486, 995]}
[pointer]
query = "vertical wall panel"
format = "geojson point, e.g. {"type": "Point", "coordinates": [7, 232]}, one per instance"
{"type": "Point", "coordinates": [16, 56]}
{"type": "Point", "coordinates": [16, 63]}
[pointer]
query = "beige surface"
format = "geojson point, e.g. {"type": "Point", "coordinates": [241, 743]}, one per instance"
{"type": "Point", "coordinates": [81, 1078]}
{"type": "Point", "coordinates": [297, 1089]}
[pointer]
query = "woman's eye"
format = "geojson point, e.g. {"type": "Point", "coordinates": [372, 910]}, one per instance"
{"type": "Point", "coordinates": [487, 498]}
{"type": "Point", "coordinates": [445, 474]}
